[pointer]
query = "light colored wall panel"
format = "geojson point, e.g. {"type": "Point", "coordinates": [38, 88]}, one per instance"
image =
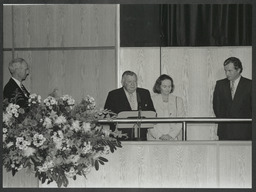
{"type": "Point", "coordinates": [71, 25]}
{"type": "Point", "coordinates": [7, 57]}
{"type": "Point", "coordinates": [172, 165]}
{"type": "Point", "coordinates": [195, 71]}
{"type": "Point", "coordinates": [77, 73]}
{"type": "Point", "coordinates": [144, 62]}
{"type": "Point", "coordinates": [22, 179]}
{"type": "Point", "coordinates": [7, 26]}
{"type": "Point", "coordinates": [235, 166]}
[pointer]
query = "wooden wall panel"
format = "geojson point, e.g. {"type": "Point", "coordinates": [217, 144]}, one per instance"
{"type": "Point", "coordinates": [173, 165]}
{"type": "Point", "coordinates": [194, 70]}
{"type": "Point", "coordinates": [7, 26]}
{"type": "Point", "coordinates": [144, 62]}
{"type": "Point", "coordinates": [7, 57]}
{"type": "Point", "coordinates": [77, 73]}
{"type": "Point", "coordinates": [235, 166]}
{"type": "Point", "coordinates": [71, 25]}
{"type": "Point", "coordinates": [22, 179]}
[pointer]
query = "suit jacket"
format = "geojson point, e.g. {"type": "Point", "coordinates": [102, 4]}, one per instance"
{"type": "Point", "coordinates": [239, 107]}
{"type": "Point", "coordinates": [117, 102]}
{"type": "Point", "coordinates": [174, 108]}
{"type": "Point", "coordinates": [15, 95]}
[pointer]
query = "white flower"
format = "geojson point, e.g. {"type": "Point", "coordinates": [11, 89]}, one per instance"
{"type": "Point", "coordinates": [71, 173]}
{"type": "Point", "coordinates": [73, 158]}
{"type": "Point", "coordinates": [86, 126]}
{"type": "Point", "coordinates": [75, 125]}
{"type": "Point", "coordinates": [58, 139]}
{"type": "Point", "coordinates": [58, 144]}
{"type": "Point", "coordinates": [9, 144]}
{"type": "Point", "coordinates": [38, 140]}
{"type": "Point", "coordinates": [13, 109]}
{"type": "Point", "coordinates": [32, 96]}
{"type": "Point", "coordinates": [47, 122]}
{"type": "Point", "coordinates": [6, 118]}
{"type": "Point", "coordinates": [46, 166]}
{"type": "Point", "coordinates": [50, 101]}
{"type": "Point", "coordinates": [20, 167]}
{"type": "Point", "coordinates": [39, 98]}
{"type": "Point", "coordinates": [60, 120]}
{"type": "Point", "coordinates": [87, 170]}
{"type": "Point", "coordinates": [4, 137]}
{"type": "Point", "coordinates": [87, 148]}
{"type": "Point", "coordinates": [71, 101]}
{"type": "Point", "coordinates": [29, 151]}
{"type": "Point", "coordinates": [106, 131]}
{"type": "Point", "coordinates": [60, 134]}
{"type": "Point", "coordinates": [21, 143]}
{"type": "Point", "coordinates": [5, 130]}
{"type": "Point", "coordinates": [106, 149]}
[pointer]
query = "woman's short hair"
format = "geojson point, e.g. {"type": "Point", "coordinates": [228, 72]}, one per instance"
{"type": "Point", "coordinates": [157, 88]}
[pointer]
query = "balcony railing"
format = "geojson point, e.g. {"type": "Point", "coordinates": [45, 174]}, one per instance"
{"type": "Point", "coordinates": [183, 120]}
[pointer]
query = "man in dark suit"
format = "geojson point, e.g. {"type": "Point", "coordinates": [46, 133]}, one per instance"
{"type": "Point", "coordinates": [232, 98]}
{"type": "Point", "coordinates": [14, 90]}
{"type": "Point", "coordinates": [128, 98]}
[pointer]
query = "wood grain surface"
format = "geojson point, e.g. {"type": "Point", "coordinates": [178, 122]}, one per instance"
{"type": "Point", "coordinates": [63, 25]}
{"type": "Point", "coordinates": [197, 164]}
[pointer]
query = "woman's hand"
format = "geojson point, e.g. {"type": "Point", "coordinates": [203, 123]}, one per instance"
{"type": "Point", "coordinates": [166, 137]}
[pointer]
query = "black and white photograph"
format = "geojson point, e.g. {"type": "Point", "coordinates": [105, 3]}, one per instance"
{"type": "Point", "coordinates": [127, 95]}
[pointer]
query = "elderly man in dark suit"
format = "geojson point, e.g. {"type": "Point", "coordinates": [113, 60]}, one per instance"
{"type": "Point", "coordinates": [14, 90]}
{"type": "Point", "coordinates": [232, 98]}
{"type": "Point", "coordinates": [128, 98]}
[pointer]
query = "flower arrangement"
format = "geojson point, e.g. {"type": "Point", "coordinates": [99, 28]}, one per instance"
{"type": "Point", "coordinates": [56, 139]}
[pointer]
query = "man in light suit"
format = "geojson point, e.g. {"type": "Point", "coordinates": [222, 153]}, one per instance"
{"type": "Point", "coordinates": [232, 98]}
{"type": "Point", "coordinates": [14, 90]}
{"type": "Point", "coordinates": [129, 97]}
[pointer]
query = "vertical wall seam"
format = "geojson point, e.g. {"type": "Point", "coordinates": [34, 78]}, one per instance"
{"type": "Point", "coordinates": [13, 45]}
{"type": "Point", "coordinates": [218, 165]}
{"type": "Point", "coordinates": [117, 44]}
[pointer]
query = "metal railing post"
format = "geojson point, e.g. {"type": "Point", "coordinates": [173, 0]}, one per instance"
{"type": "Point", "coordinates": [184, 131]}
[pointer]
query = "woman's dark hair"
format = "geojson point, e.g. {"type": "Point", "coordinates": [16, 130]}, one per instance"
{"type": "Point", "coordinates": [156, 88]}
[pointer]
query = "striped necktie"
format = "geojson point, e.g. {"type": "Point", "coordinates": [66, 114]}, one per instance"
{"type": "Point", "coordinates": [132, 101]}
{"type": "Point", "coordinates": [24, 90]}
{"type": "Point", "coordinates": [232, 88]}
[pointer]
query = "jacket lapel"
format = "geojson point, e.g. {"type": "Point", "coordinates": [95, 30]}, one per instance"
{"type": "Point", "coordinates": [124, 99]}
{"type": "Point", "coordinates": [227, 90]}
{"type": "Point", "coordinates": [239, 89]}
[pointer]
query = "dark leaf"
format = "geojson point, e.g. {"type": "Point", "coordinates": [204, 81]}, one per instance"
{"type": "Point", "coordinates": [49, 181]}
{"type": "Point", "coordinates": [101, 162]}
{"type": "Point", "coordinates": [103, 159]}
{"type": "Point", "coordinates": [96, 165]}
{"type": "Point", "coordinates": [13, 172]}
{"type": "Point", "coordinates": [65, 181]}
{"type": "Point", "coordinates": [43, 179]}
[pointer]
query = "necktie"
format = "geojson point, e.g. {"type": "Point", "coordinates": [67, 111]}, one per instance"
{"type": "Point", "coordinates": [24, 90]}
{"type": "Point", "coordinates": [232, 89]}
{"type": "Point", "coordinates": [132, 101]}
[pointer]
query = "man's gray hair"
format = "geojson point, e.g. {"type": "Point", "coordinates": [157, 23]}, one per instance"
{"type": "Point", "coordinates": [131, 73]}
{"type": "Point", "coordinates": [15, 64]}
